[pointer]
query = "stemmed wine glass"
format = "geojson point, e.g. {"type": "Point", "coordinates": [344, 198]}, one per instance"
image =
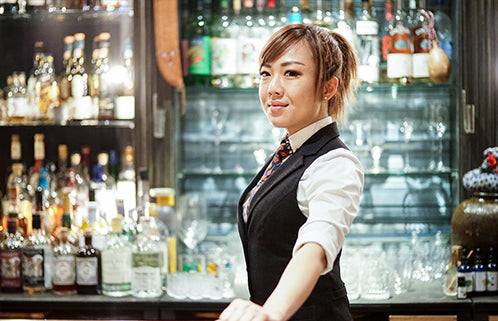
{"type": "Point", "coordinates": [193, 225]}
{"type": "Point", "coordinates": [218, 119]}
{"type": "Point", "coordinates": [376, 139]}
{"type": "Point", "coordinates": [438, 125]}
{"type": "Point", "coordinates": [406, 128]}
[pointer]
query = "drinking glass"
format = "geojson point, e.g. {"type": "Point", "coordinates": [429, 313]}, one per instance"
{"type": "Point", "coordinates": [193, 219]}
{"type": "Point", "coordinates": [406, 128]}
{"type": "Point", "coordinates": [218, 118]}
{"type": "Point", "coordinates": [438, 125]}
{"type": "Point", "coordinates": [376, 139]}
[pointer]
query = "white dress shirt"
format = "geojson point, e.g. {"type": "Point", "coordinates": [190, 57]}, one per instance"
{"type": "Point", "coordinates": [328, 195]}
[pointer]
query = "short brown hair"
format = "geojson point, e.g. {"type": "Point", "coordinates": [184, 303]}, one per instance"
{"type": "Point", "coordinates": [332, 53]}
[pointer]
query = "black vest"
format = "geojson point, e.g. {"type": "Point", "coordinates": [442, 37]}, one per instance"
{"type": "Point", "coordinates": [274, 220]}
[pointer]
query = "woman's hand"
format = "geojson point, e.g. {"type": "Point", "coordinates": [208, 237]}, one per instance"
{"type": "Point", "coordinates": [244, 310]}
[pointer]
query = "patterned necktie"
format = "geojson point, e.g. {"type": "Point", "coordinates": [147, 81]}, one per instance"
{"type": "Point", "coordinates": [282, 152]}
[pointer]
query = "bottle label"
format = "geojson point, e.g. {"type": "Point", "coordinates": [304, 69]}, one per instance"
{"type": "Point", "coordinates": [467, 276]}
{"type": "Point", "coordinates": [11, 269]}
{"type": "Point", "coordinates": [399, 65]}
{"type": "Point", "coordinates": [116, 265]}
{"type": "Point", "coordinates": [146, 278]}
{"type": "Point", "coordinates": [36, 3]}
{"type": "Point", "coordinates": [248, 55]}
{"type": "Point", "coordinates": [223, 56]}
{"type": "Point", "coordinates": [400, 42]}
{"type": "Point", "coordinates": [492, 280]}
{"type": "Point", "coordinates": [79, 86]}
{"type": "Point", "coordinates": [33, 263]}
{"type": "Point", "coordinates": [64, 270]}
{"type": "Point", "coordinates": [367, 28]}
{"type": "Point", "coordinates": [17, 107]}
{"type": "Point", "coordinates": [421, 43]}
{"type": "Point", "coordinates": [199, 55]}
{"type": "Point", "coordinates": [87, 271]}
{"type": "Point", "coordinates": [479, 278]}
{"type": "Point", "coordinates": [125, 107]}
{"type": "Point", "coordinates": [420, 65]}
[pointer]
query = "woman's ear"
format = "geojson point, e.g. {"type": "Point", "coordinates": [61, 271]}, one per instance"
{"type": "Point", "coordinates": [330, 88]}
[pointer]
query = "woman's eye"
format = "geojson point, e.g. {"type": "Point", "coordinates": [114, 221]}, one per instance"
{"type": "Point", "coordinates": [264, 74]}
{"type": "Point", "coordinates": [292, 73]}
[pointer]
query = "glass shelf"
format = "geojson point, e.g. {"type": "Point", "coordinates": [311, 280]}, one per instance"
{"type": "Point", "coordinates": [69, 16]}
{"type": "Point", "coordinates": [75, 123]}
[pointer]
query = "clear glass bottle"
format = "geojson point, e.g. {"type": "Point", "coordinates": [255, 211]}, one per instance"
{"type": "Point", "coordinates": [421, 46]}
{"type": "Point", "coordinates": [125, 100]}
{"type": "Point", "coordinates": [126, 185]}
{"type": "Point", "coordinates": [399, 58]}
{"type": "Point", "coordinates": [117, 263]}
{"type": "Point", "coordinates": [367, 45]}
{"type": "Point", "coordinates": [64, 279]}
{"type": "Point", "coordinates": [88, 268]}
{"type": "Point", "coordinates": [147, 263]}
{"type": "Point", "coordinates": [17, 99]}
{"type": "Point", "coordinates": [106, 91]}
{"type": "Point", "coordinates": [61, 114]}
{"type": "Point", "coordinates": [464, 271]}
{"type": "Point", "coordinates": [11, 258]}
{"type": "Point", "coordinates": [450, 274]}
{"type": "Point", "coordinates": [105, 188]}
{"type": "Point", "coordinates": [80, 186]}
{"type": "Point", "coordinates": [32, 91]}
{"type": "Point", "coordinates": [37, 254]}
{"type": "Point", "coordinates": [223, 48]}
{"type": "Point", "coordinates": [48, 91]}
{"type": "Point", "coordinates": [81, 107]}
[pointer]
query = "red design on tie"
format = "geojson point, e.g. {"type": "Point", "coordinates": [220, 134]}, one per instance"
{"type": "Point", "coordinates": [282, 152]}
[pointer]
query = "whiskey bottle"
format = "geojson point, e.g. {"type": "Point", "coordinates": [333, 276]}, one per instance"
{"type": "Point", "coordinates": [88, 269]}
{"type": "Point", "coordinates": [11, 259]}
{"type": "Point", "coordinates": [37, 254]}
{"type": "Point", "coordinates": [19, 203]}
{"type": "Point", "coordinates": [17, 99]}
{"type": "Point", "coordinates": [116, 263]}
{"type": "Point", "coordinates": [64, 279]}
{"type": "Point", "coordinates": [147, 263]}
{"type": "Point", "coordinates": [49, 93]}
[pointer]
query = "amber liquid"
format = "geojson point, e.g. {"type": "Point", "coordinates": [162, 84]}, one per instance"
{"type": "Point", "coordinates": [64, 289]}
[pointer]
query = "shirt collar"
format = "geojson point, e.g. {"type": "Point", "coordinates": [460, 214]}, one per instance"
{"type": "Point", "coordinates": [297, 139]}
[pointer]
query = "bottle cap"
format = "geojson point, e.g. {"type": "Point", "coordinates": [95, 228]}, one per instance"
{"type": "Point", "coordinates": [75, 159]}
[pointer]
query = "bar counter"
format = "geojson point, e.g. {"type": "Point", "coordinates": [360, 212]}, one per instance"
{"type": "Point", "coordinates": [426, 299]}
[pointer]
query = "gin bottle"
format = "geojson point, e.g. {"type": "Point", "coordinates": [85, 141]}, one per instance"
{"type": "Point", "coordinates": [116, 263]}
{"type": "Point", "coordinates": [64, 279]}
{"type": "Point", "coordinates": [147, 263]}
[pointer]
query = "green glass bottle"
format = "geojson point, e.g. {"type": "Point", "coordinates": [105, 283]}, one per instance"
{"type": "Point", "coordinates": [199, 47]}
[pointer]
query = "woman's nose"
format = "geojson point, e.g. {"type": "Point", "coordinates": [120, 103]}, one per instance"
{"type": "Point", "coordinates": [275, 87]}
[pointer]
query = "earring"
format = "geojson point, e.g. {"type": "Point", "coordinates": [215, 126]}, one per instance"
{"type": "Point", "coordinates": [325, 98]}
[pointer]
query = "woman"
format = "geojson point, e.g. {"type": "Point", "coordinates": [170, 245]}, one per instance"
{"type": "Point", "coordinates": [293, 222]}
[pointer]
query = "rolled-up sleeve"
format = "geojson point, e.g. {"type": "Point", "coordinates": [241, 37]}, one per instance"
{"type": "Point", "coordinates": [329, 196]}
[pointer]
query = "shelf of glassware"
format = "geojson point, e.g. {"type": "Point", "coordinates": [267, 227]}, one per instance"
{"type": "Point", "coordinates": [109, 123]}
{"type": "Point", "coordinates": [71, 15]}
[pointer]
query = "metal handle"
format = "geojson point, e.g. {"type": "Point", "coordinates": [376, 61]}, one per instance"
{"type": "Point", "coordinates": [159, 120]}
{"type": "Point", "coordinates": [469, 115]}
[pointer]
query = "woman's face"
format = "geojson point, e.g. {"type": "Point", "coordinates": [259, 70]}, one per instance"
{"type": "Point", "coordinates": [287, 90]}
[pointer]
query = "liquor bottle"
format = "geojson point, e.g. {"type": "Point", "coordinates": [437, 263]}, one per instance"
{"type": "Point", "coordinates": [113, 167]}
{"type": "Point", "coordinates": [76, 178]}
{"type": "Point", "coordinates": [71, 233]}
{"type": "Point", "coordinates": [52, 214]}
{"type": "Point", "coordinates": [249, 44]}
{"type": "Point", "coordinates": [116, 263]}
{"type": "Point", "coordinates": [19, 203]}
{"type": "Point", "coordinates": [160, 233]}
{"type": "Point", "coordinates": [17, 99]}
{"type": "Point", "coordinates": [33, 93]}
{"type": "Point", "coordinates": [385, 38]}
{"type": "Point", "coordinates": [491, 273]}
{"type": "Point", "coordinates": [126, 185]}
{"type": "Point", "coordinates": [125, 100]}
{"type": "Point", "coordinates": [81, 101]}
{"type": "Point", "coordinates": [399, 59]}
{"type": "Point", "coordinates": [95, 223]}
{"type": "Point", "coordinates": [344, 18]}
{"type": "Point", "coordinates": [199, 47]}
{"type": "Point", "coordinates": [85, 162]}
{"type": "Point", "coordinates": [88, 269]}
{"type": "Point", "coordinates": [478, 273]}
{"type": "Point", "coordinates": [223, 48]}
{"type": "Point", "coordinates": [450, 274]}
{"type": "Point", "coordinates": [106, 90]}
{"type": "Point", "coordinates": [9, 7]}
{"type": "Point", "coordinates": [61, 114]}
{"type": "Point", "coordinates": [15, 155]}
{"type": "Point", "coordinates": [464, 271]}
{"type": "Point", "coordinates": [48, 91]}
{"type": "Point", "coordinates": [419, 31]}
{"type": "Point", "coordinates": [62, 168]}
{"type": "Point", "coordinates": [105, 187]}
{"type": "Point", "coordinates": [367, 45]}
{"type": "Point", "coordinates": [64, 278]}
{"type": "Point", "coordinates": [11, 258]}
{"type": "Point", "coordinates": [39, 155]}
{"type": "Point", "coordinates": [146, 263]}
{"type": "Point", "coordinates": [36, 6]}
{"type": "Point", "coordinates": [37, 254]}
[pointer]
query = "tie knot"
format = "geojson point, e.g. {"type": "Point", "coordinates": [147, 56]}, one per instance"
{"type": "Point", "coordinates": [284, 149]}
